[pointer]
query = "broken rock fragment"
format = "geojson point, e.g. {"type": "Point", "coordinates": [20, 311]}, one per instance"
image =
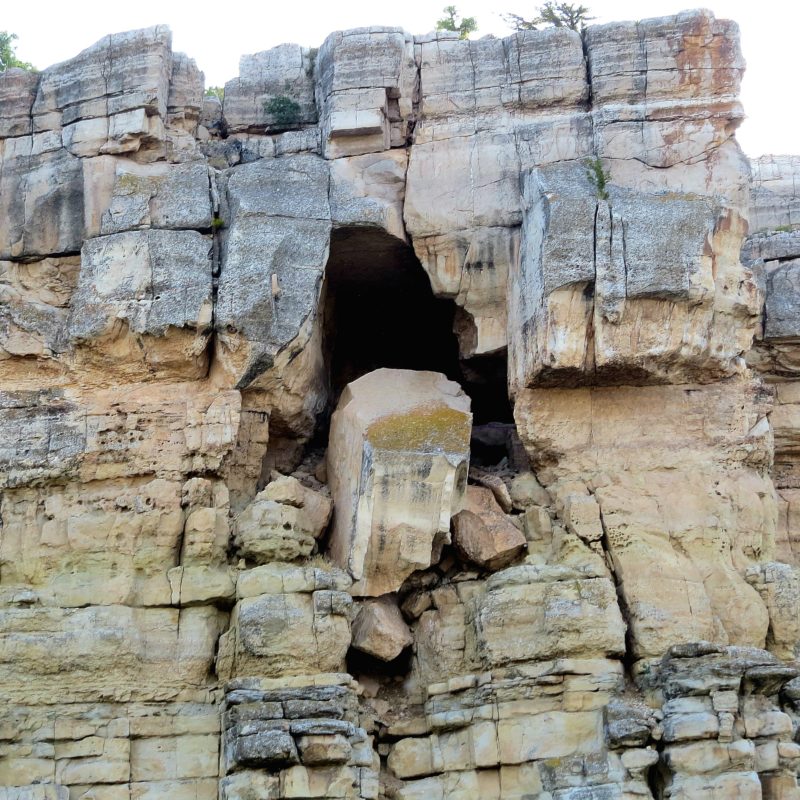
{"type": "Point", "coordinates": [484, 535]}
{"type": "Point", "coordinates": [282, 523]}
{"type": "Point", "coordinates": [379, 629]}
{"type": "Point", "coordinates": [398, 457]}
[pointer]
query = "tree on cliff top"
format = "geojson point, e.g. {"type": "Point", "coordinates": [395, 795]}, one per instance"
{"type": "Point", "coordinates": [8, 58]}
{"type": "Point", "coordinates": [451, 22]}
{"type": "Point", "coordinates": [557, 15]}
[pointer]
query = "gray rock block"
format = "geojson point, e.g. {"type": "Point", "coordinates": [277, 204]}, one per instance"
{"type": "Point", "coordinates": [259, 747]}
{"type": "Point", "coordinates": [361, 57]}
{"type": "Point", "coordinates": [275, 250]}
{"type": "Point", "coordinates": [41, 200]}
{"type": "Point", "coordinates": [248, 712]}
{"type": "Point", "coordinates": [365, 88]}
{"type": "Point", "coordinates": [17, 93]}
{"type": "Point", "coordinates": [154, 280]}
{"type": "Point", "coordinates": [665, 240]}
{"type": "Point", "coordinates": [782, 303]}
{"type": "Point", "coordinates": [621, 284]}
{"type": "Point", "coordinates": [86, 87]}
{"type": "Point", "coordinates": [274, 91]}
{"type": "Point", "coordinates": [771, 246]}
{"type": "Point", "coordinates": [158, 196]}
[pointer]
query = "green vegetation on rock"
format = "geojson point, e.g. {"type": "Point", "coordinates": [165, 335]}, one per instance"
{"type": "Point", "coordinates": [556, 15]}
{"type": "Point", "coordinates": [451, 22]}
{"type": "Point", "coordinates": [284, 111]}
{"type": "Point", "coordinates": [598, 176]}
{"type": "Point", "coordinates": [8, 58]}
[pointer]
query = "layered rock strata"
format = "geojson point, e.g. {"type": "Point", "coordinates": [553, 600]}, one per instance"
{"type": "Point", "coordinates": [197, 601]}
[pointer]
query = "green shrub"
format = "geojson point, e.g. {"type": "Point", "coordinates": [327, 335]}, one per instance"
{"type": "Point", "coordinates": [557, 15]}
{"type": "Point", "coordinates": [452, 22]}
{"type": "Point", "coordinates": [8, 56]}
{"type": "Point", "coordinates": [284, 111]}
{"type": "Point", "coordinates": [598, 176]}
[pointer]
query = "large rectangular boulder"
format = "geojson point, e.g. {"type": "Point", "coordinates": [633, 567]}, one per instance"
{"type": "Point", "coordinates": [397, 461]}
{"type": "Point", "coordinates": [274, 91]}
{"type": "Point", "coordinates": [275, 250]}
{"type": "Point", "coordinates": [616, 285]}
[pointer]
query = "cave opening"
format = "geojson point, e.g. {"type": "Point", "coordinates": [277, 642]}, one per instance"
{"type": "Point", "coordinates": [379, 311]}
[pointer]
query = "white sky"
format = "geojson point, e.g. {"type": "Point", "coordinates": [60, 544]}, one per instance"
{"type": "Point", "coordinates": [216, 33]}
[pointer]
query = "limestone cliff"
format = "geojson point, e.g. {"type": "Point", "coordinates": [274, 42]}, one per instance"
{"type": "Point", "coordinates": [416, 423]}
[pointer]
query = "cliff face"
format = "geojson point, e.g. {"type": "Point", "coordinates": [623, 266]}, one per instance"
{"type": "Point", "coordinates": [409, 425]}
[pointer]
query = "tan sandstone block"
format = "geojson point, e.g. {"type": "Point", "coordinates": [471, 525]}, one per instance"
{"type": "Point", "coordinates": [412, 430]}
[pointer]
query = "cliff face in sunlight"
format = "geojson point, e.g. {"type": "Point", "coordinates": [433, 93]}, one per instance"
{"type": "Point", "coordinates": [416, 423]}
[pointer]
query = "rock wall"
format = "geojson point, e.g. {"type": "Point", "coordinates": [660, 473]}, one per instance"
{"type": "Point", "coordinates": [196, 601]}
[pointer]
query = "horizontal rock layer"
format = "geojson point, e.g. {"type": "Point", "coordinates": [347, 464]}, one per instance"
{"type": "Point", "coordinates": [197, 602]}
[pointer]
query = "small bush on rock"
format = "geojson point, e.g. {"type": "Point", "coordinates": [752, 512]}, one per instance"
{"type": "Point", "coordinates": [598, 176]}
{"type": "Point", "coordinates": [284, 111]}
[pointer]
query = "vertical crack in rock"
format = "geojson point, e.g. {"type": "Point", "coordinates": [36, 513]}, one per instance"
{"type": "Point", "coordinates": [628, 658]}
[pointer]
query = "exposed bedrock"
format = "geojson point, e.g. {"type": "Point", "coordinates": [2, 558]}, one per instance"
{"type": "Point", "coordinates": [411, 424]}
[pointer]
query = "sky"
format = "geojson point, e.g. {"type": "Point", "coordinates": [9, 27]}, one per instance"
{"type": "Point", "coordinates": [216, 34]}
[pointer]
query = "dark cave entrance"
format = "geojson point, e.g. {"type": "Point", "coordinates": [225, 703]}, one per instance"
{"type": "Point", "coordinates": [379, 311]}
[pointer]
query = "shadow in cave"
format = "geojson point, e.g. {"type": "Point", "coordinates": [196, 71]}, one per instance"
{"type": "Point", "coordinates": [379, 311]}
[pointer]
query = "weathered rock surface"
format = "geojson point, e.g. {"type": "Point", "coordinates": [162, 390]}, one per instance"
{"type": "Point", "coordinates": [609, 610]}
{"type": "Point", "coordinates": [397, 462]}
{"type": "Point", "coordinates": [379, 630]}
{"type": "Point", "coordinates": [773, 250]}
{"type": "Point", "coordinates": [774, 201]}
{"type": "Point", "coordinates": [133, 287]}
{"type": "Point", "coordinates": [297, 632]}
{"type": "Point", "coordinates": [42, 186]}
{"type": "Point", "coordinates": [636, 449]}
{"type": "Point", "coordinates": [282, 523]}
{"type": "Point", "coordinates": [622, 285]}
{"type": "Point", "coordinates": [483, 534]}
